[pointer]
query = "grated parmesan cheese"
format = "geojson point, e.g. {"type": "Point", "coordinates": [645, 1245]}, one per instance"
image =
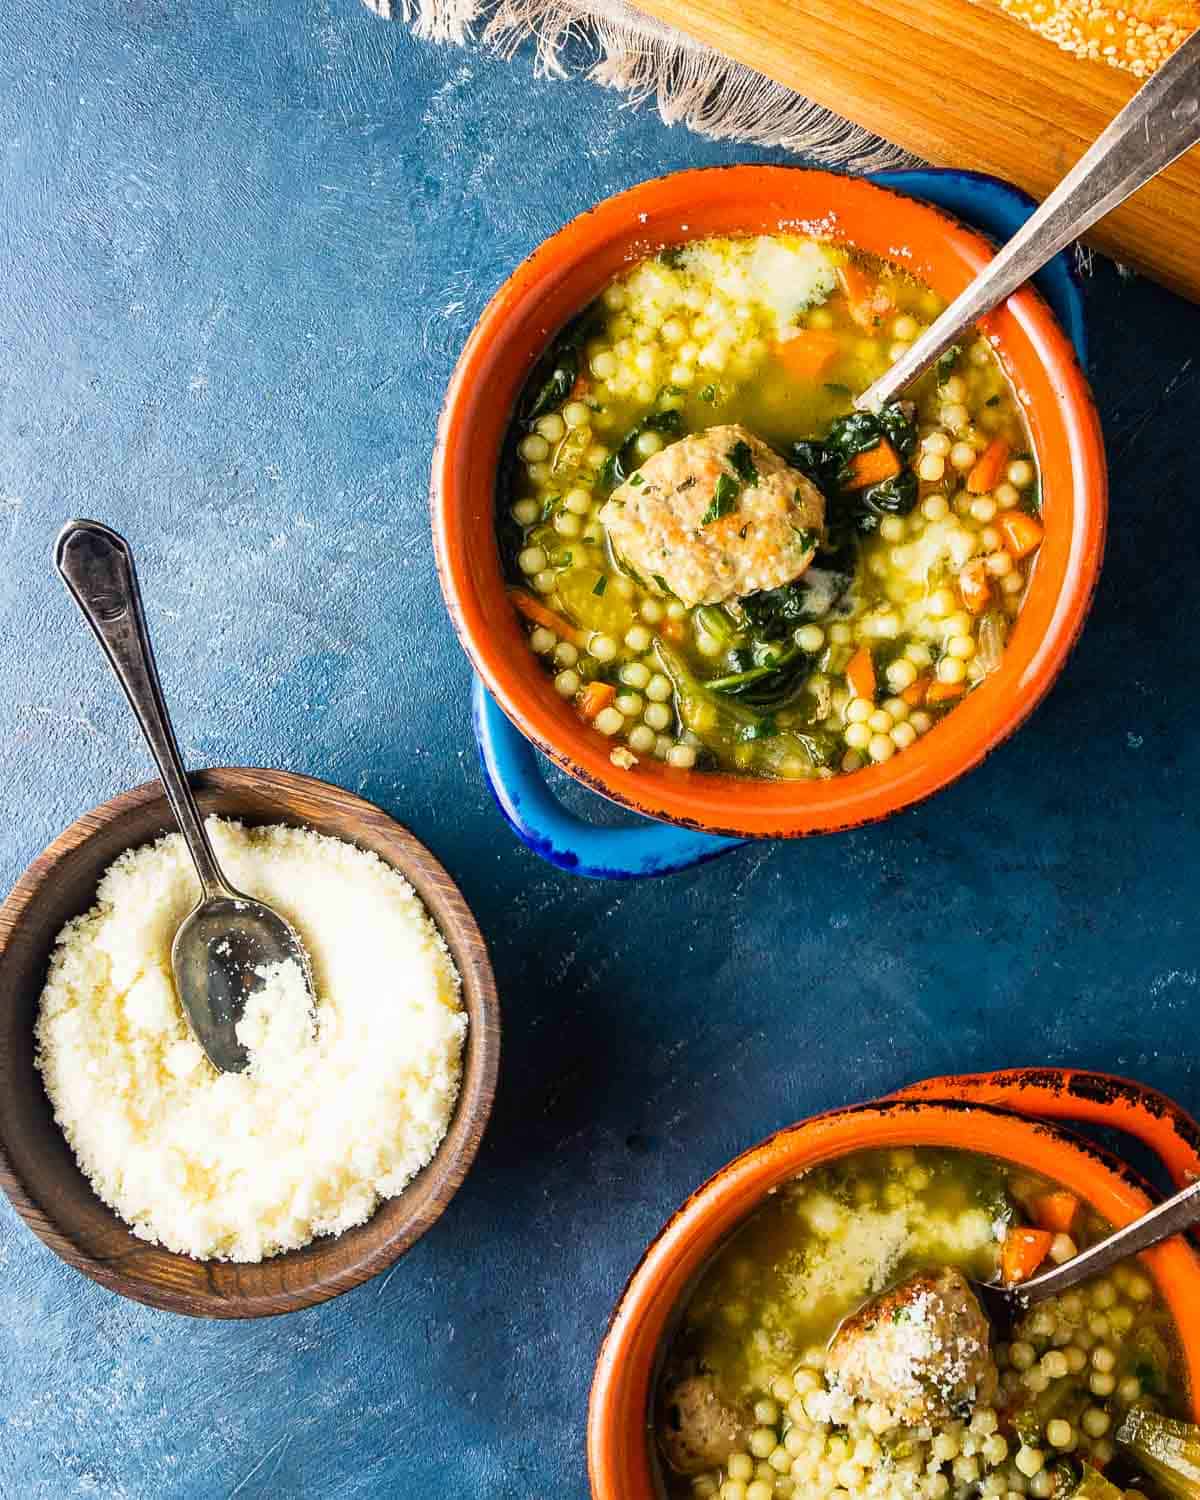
{"type": "Point", "coordinates": [332, 1115]}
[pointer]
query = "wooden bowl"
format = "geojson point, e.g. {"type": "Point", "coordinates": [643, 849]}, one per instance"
{"type": "Point", "coordinates": [37, 1168]}
{"type": "Point", "coordinates": [562, 276]}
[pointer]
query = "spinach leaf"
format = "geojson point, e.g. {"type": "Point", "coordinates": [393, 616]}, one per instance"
{"type": "Point", "coordinates": [724, 500]}
{"type": "Point", "coordinates": [946, 363]}
{"type": "Point", "coordinates": [619, 465]}
{"type": "Point", "coordinates": [557, 371]}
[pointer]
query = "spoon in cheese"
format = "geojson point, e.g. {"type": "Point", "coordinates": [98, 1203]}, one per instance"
{"type": "Point", "coordinates": [228, 942]}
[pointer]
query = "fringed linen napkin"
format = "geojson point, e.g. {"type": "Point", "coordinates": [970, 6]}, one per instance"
{"type": "Point", "coordinates": [691, 84]}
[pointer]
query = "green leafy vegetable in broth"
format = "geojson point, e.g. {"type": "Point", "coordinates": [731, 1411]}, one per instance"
{"type": "Point", "coordinates": [621, 464]}
{"type": "Point", "coordinates": [559, 371]}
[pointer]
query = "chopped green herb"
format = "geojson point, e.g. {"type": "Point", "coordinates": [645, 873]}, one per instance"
{"type": "Point", "coordinates": [836, 389]}
{"type": "Point", "coordinates": [741, 459]}
{"type": "Point", "coordinates": [601, 584]}
{"type": "Point", "coordinates": [708, 393]}
{"type": "Point", "coordinates": [672, 256]}
{"type": "Point", "coordinates": [946, 363]}
{"type": "Point", "coordinates": [636, 480]}
{"type": "Point", "coordinates": [661, 581]}
{"type": "Point", "coordinates": [993, 400]}
{"type": "Point", "coordinates": [724, 500]}
{"type": "Point", "coordinates": [806, 537]}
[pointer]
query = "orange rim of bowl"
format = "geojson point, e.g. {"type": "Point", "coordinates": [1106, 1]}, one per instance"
{"type": "Point", "coordinates": [569, 270]}
{"type": "Point", "coordinates": [618, 1440]}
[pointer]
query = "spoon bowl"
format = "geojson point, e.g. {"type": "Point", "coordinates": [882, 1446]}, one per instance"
{"type": "Point", "coordinates": [223, 949]}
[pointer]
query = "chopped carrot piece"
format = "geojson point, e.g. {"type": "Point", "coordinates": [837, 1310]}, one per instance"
{"type": "Point", "coordinates": [673, 630]}
{"type": "Point", "coordinates": [1023, 1252]}
{"type": "Point", "coordinates": [595, 696]}
{"type": "Point", "coordinates": [809, 353]}
{"type": "Point", "coordinates": [868, 303]}
{"type": "Point", "coordinates": [581, 387]}
{"type": "Point", "coordinates": [945, 692]}
{"type": "Point", "coordinates": [860, 674]}
{"type": "Point", "coordinates": [988, 467]}
{"type": "Point", "coordinates": [533, 609]}
{"type": "Point", "coordinates": [1022, 533]}
{"type": "Point", "coordinates": [975, 586]}
{"type": "Point", "coordinates": [1055, 1211]}
{"type": "Point", "coordinates": [873, 466]}
{"type": "Point", "coordinates": [915, 694]}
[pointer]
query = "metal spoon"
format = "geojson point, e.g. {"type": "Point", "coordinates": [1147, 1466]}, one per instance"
{"type": "Point", "coordinates": [1159, 123]}
{"type": "Point", "coordinates": [1172, 1216]}
{"type": "Point", "coordinates": [226, 937]}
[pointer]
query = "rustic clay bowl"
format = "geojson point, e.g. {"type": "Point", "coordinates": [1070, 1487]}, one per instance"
{"type": "Point", "coordinates": [1006, 1115]}
{"type": "Point", "coordinates": [571, 268]}
{"type": "Point", "coordinates": [37, 1169]}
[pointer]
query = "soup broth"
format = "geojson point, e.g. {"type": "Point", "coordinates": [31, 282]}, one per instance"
{"type": "Point", "coordinates": [724, 566]}
{"type": "Point", "coordinates": [752, 1405]}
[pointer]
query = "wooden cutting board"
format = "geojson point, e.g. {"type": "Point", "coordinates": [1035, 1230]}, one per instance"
{"type": "Point", "coordinates": [962, 85]}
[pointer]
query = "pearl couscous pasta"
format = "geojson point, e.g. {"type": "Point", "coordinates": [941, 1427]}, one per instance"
{"type": "Point", "coordinates": [720, 562]}
{"type": "Point", "coordinates": [835, 1350]}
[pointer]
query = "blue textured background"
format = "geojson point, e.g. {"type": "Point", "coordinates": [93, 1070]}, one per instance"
{"type": "Point", "coordinates": [239, 249]}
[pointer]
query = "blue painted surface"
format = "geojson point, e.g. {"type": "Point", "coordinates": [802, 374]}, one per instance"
{"type": "Point", "coordinates": [239, 250]}
{"type": "Point", "coordinates": [645, 848]}
{"type": "Point", "coordinates": [630, 850]}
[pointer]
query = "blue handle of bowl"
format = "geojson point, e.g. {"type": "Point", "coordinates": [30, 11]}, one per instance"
{"type": "Point", "coordinates": [544, 825]}
{"type": "Point", "coordinates": [510, 763]}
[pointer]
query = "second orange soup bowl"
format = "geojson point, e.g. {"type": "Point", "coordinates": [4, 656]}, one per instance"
{"type": "Point", "coordinates": [1004, 1115]}
{"type": "Point", "coordinates": [563, 276]}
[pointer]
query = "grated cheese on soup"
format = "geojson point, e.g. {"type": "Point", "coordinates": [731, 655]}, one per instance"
{"type": "Point", "coordinates": [334, 1113]}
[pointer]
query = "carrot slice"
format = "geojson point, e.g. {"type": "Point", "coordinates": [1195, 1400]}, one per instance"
{"type": "Point", "coordinates": [867, 302]}
{"type": "Point", "coordinates": [533, 609]}
{"type": "Point", "coordinates": [915, 694]}
{"type": "Point", "coordinates": [581, 387]}
{"type": "Point", "coordinates": [975, 586]}
{"type": "Point", "coordinates": [1022, 533]}
{"type": "Point", "coordinates": [873, 466]}
{"type": "Point", "coordinates": [595, 696]}
{"type": "Point", "coordinates": [988, 467]}
{"type": "Point", "coordinates": [945, 692]}
{"type": "Point", "coordinates": [673, 630]}
{"type": "Point", "coordinates": [1023, 1252]}
{"type": "Point", "coordinates": [860, 674]}
{"type": "Point", "coordinates": [809, 353]}
{"type": "Point", "coordinates": [1055, 1211]}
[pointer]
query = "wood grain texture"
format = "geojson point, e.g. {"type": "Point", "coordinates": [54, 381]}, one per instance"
{"type": "Point", "coordinates": [962, 85]}
{"type": "Point", "coordinates": [37, 1169]}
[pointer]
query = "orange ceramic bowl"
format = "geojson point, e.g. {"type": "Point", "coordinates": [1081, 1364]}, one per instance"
{"type": "Point", "coordinates": [568, 271]}
{"type": "Point", "coordinates": [1005, 1115]}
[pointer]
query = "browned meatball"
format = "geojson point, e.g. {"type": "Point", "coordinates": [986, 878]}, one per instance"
{"type": "Point", "coordinates": [715, 516]}
{"type": "Point", "coordinates": [698, 1430]}
{"type": "Point", "coordinates": [921, 1351]}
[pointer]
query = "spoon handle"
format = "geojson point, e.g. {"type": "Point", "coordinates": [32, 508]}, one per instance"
{"type": "Point", "coordinates": [1159, 123]}
{"type": "Point", "coordinates": [96, 564]}
{"type": "Point", "coordinates": [1172, 1216]}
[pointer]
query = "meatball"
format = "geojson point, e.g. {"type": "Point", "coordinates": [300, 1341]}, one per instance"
{"type": "Point", "coordinates": [698, 1430]}
{"type": "Point", "coordinates": [715, 516]}
{"type": "Point", "coordinates": [920, 1351]}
